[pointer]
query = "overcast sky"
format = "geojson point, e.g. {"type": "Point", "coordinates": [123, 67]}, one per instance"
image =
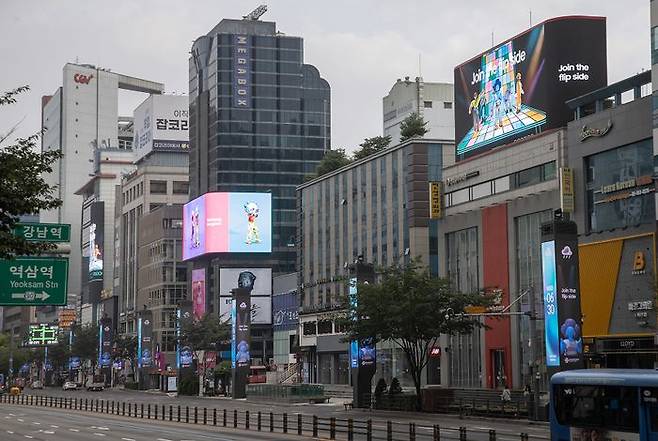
{"type": "Point", "coordinates": [360, 47]}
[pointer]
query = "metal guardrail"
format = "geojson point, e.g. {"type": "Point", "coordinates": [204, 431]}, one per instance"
{"type": "Point", "coordinates": [303, 425]}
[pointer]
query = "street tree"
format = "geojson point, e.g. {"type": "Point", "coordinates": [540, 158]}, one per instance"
{"type": "Point", "coordinates": [125, 348]}
{"type": "Point", "coordinates": [60, 352]}
{"type": "Point", "coordinates": [332, 160]}
{"type": "Point", "coordinates": [85, 343]}
{"type": "Point", "coordinates": [23, 189]}
{"type": "Point", "coordinates": [411, 309]}
{"type": "Point", "coordinates": [371, 145]}
{"type": "Point", "coordinates": [205, 334]}
{"type": "Point", "coordinates": [413, 126]}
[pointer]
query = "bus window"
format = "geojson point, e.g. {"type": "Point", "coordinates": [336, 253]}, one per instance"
{"type": "Point", "coordinates": [601, 407]}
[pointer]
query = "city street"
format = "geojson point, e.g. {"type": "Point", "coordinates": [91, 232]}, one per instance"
{"type": "Point", "coordinates": [27, 422]}
{"type": "Point", "coordinates": [506, 429]}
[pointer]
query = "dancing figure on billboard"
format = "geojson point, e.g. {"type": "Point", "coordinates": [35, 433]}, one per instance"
{"type": "Point", "coordinates": [253, 235]}
{"type": "Point", "coordinates": [195, 241]}
{"type": "Point", "coordinates": [474, 109]}
{"type": "Point", "coordinates": [518, 88]}
{"type": "Point", "coordinates": [571, 345]}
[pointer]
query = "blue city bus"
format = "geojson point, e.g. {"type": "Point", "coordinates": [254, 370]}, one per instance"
{"type": "Point", "coordinates": [604, 405]}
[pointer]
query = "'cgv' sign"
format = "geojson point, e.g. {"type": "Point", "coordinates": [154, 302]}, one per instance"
{"type": "Point", "coordinates": [82, 79]}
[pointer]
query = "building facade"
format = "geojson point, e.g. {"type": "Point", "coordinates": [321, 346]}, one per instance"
{"type": "Point", "coordinates": [160, 180]}
{"type": "Point", "coordinates": [611, 158]}
{"type": "Point", "coordinates": [377, 209]}
{"type": "Point", "coordinates": [285, 323]}
{"type": "Point", "coordinates": [433, 101]}
{"type": "Point", "coordinates": [79, 118]}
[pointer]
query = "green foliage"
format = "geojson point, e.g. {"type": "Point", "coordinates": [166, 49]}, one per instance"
{"type": "Point", "coordinates": [332, 160]}
{"type": "Point", "coordinates": [411, 309]}
{"type": "Point", "coordinates": [21, 355]}
{"type": "Point", "coordinates": [22, 187]}
{"type": "Point", "coordinates": [85, 342]}
{"type": "Point", "coordinates": [395, 388]}
{"type": "Point", "coordinates": [189, 386]}
{"type": "Point", "coordinates": [413, 126]}
{"type": "Point", "coordinates": [380, 388]}
{"type": "Point", "coordinates": [60, 353]}
{"type": "Point", "coordinates": [372, 145]}
{"type": "Point", "coordinates": [204, 334]}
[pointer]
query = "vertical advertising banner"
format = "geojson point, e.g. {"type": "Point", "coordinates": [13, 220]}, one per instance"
{"type": "Point", "coordinates": [105, 343]}
{"type": "Point", "coordinates": [199, 293]}
{"type": "Point", "coordinates": [96, 241]}
{"type": "Point", "coordinates": [568, 299]}
{"type": "Point", "coordinates": [242, 71]}
{"type": "Point", "coordinates": [184, 352]}
{"type": "Point", "coordinates": [145, 340]}
{"type": "Point", "coordinates": [549, 277]}
{"type": "Point", "coordinates": [240, 353]}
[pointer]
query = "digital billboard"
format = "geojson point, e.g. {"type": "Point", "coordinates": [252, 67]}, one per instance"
{"type": "Point", "coordinates": [227, 223]}
{"type": "Point", "coordinates": [520, 87]}
{"type": "Point", "coordinates": [161, 123]}
{"type": "Point", "coordinates": [96, 241]}
{"type": "Point", "coordinates": [199, 293]}
{"type": "Point", "coordinates": [549, 277]}
{"type": "Point", "coordinates": [256, 280]}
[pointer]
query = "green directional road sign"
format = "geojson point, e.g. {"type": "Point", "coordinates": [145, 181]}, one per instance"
{"type": "Point", "coordinates": [37, 232]}
{"type": "Point", "coordinates": [33, 281]}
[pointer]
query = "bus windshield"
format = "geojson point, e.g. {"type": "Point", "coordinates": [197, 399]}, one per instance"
{"type": "Point", "coordinates": [601, 407]}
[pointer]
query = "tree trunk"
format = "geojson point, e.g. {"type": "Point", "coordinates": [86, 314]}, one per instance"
{"type": "Point", "coordinates": [419, 400]}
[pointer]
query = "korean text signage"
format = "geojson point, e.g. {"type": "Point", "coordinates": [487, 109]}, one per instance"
{"type": "Point", "coordinates": [42, 335]}
{"type": "Point", "coordinates": [227, 222]}
{"type": "Point", "coordinates": [285, 311]}
{"type": "Point", "coordinates": [161, 124]}
{"type": "Point", "coordinates": [36, 232]}
{"type": "Point", "coordinates": [436, 197]}
{"type": "Point", "coordinates": [566, 190]}
{"type": "Point", "coordinates": [33, 281]}
{"type": "Point", "coordinates": [520, 86]}
{"type": "Point", "coordinates": [561, 289]}
{"type": "Point", "coordinates": [241, 71]}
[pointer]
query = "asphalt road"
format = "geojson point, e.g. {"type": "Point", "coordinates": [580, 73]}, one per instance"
{"type": "Point", "coordinates": [478, 428]}
{"type": "Point", "coordinates": [46, 424]}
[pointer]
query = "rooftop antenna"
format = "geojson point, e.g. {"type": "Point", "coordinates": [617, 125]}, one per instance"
{"type": "Point", "coordinates": [492, 38]}
{"type": "Point", "coordinates": [420, 70]}
{"type": "Point", "coordinates": [256, 13]}
{"type": "Point", "coordinates": [530, 17]}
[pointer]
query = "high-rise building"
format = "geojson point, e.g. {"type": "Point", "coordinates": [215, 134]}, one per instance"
{"type": "Point", "coordinates": [432, 101]}
{"type": "Point", "coordinates": [80, 118]}
{"type": "Point", "coordinates": [654, 78]}
{"type": "Point", "coordinates": [259, 122]}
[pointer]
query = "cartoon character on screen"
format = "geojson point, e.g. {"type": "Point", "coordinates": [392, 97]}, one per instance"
{"type": "Point", "coordinates": [571, 344]}
{"type": "Point", "coordinates": [195, 240]}
{"type": "Point", "coordinates": [253, 235]}
{"type": "Point", "coordinates": [474, 109]}
{"type": "Point", "coordinates": [518, 88]}
{"type": "Point", "coordinates": [242, 356]}
{"type": "Point", "coordinates": [498, 104]}
{"type": "Point", "coordinates": [507, 99]}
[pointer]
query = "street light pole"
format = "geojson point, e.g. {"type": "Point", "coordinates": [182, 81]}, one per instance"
{"type": "Point", "coordinates": [534, 370]}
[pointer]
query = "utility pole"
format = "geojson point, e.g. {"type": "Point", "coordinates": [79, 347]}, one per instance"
{"type": "Point", "coordinates": [534, 367]}
{"type": "Point", "coordinates": [11, 357]}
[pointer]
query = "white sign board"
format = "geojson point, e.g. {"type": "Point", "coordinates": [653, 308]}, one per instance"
{"type": "Point", "coordinates": [161, 123]}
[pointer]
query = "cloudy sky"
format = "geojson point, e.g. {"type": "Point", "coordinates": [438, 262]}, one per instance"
{"type": "Point", "coordinates": [359, 46]}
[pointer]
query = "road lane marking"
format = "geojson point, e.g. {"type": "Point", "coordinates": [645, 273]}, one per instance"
{"type": "Point", "coordinates": [49, 432]}
{"type": "Point", "coordinates": [28, 436]}
{"type": "Point", "coordinates": [54, 426]}
{"type": "Point", "coordinates": [99, 434]}
{"type": "Point", "coordinates": [163, 439]}
{"type": "Point", "coordinates": [74, 430]}
{"type": "Point", "coordinates": [20, 420]}
{"type": "Point", "coordinates": [127, 439]}
{"type": "Point", "coordinates": [10, 432]}
{"type": "Point", "coordinates": [36, 423]}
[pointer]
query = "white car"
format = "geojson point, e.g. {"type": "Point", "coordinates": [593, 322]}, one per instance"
{"type": "Point", "coordinates": [70, 385]}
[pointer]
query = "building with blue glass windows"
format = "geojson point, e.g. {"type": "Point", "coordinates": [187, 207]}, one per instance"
{"type": "Point", "coordinates": [259, 122]}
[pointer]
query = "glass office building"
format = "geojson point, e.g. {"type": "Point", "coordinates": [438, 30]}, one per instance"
{"type": "Point", "coordinates": [259, 121]}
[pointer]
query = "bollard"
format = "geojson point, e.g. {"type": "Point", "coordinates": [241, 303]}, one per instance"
{"type": "Point", "coordinates": [369, 430]}
{"type": "Point", "coordinates": [271, 422]}
{"type": "Point", "coordinates": [492, 435]}
{"type": "Point", "coordinates": [113, 407]}
{"type": "Point", "coordinates": [235, 419]}
{"type": "Point", "coordinates": [156, 412]}
{"type": "Point", "coordinates": [350, 429]}
{"type": "Point", "coordinates": [332, 428]}
{"type": "Point", "coordinates": [462, 434]}
{"type": "Point", "coordinates": [214, 417]}
{"type": "Point", "coordinates": [204, 415]}
{"type": "Point", "coordinates": [179, 413]}
{"type": "Point", "coordinates": [246, 420]}
{"type": "Point", "coordinates": [285, 423]}
{"type": "Point", "coordinates": [148, 410]}
{"type": "Point", "coordinates": [196, 415]}
{"type": "Point", "coordinates": [123, 408]}
{"type": "Point", "coordinates": [187, 414]}
{"type": "Point", "coordinates": [142, 409]}
{"type": "Point", "coordinates": [258, 421]}
{"type": "Point", "coordinates": [412, 432]}
{"type": "Point", "coordinates": [164, 414]}
{"type": "Point", "coordinates": [437, 433]}
{"type": "Point", "coordinates": [171, 412]}
{"type": "Point", "coordinates": [524, 436]}
{"type": "Point", "coordinates": [299, 424]}
{"type": "Point", "coordinates": [315, 426]}
{"type": "Point", "coordinates": [92, 408]}
{"type": "Point", "coordinates": [224, 418]}
{"type": "Point", "coordinates": [389, 431]}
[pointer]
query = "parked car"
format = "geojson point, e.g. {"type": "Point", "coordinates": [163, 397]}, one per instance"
{"type": "Point", "coordinates": [95, 382]}
{"type": "Point", "coordinates": [69, 385]}
{"type": "Point", "coordinates": [36, 385]}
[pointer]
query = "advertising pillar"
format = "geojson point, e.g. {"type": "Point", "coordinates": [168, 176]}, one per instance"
{"type": "Point", "coordinates": [240, 340]}
{"type": "Point", "coordinates": [561, 292]}
{"type": "Point", "coordinates": [363, 354]}
{"type": "Point", "coordinates": [105, 337]}
{"type": "Point", "coordinates": [145, 347]}
{"type": "Point", "coordinates": [184, 353]}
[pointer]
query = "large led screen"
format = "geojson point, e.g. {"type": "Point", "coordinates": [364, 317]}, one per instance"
{"type": "Point", "coordinates": [520, 86]}
{"type": "Point", "coordinates": [227, 223]}
{"type": "Point", "coordinates": [258, 281]}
